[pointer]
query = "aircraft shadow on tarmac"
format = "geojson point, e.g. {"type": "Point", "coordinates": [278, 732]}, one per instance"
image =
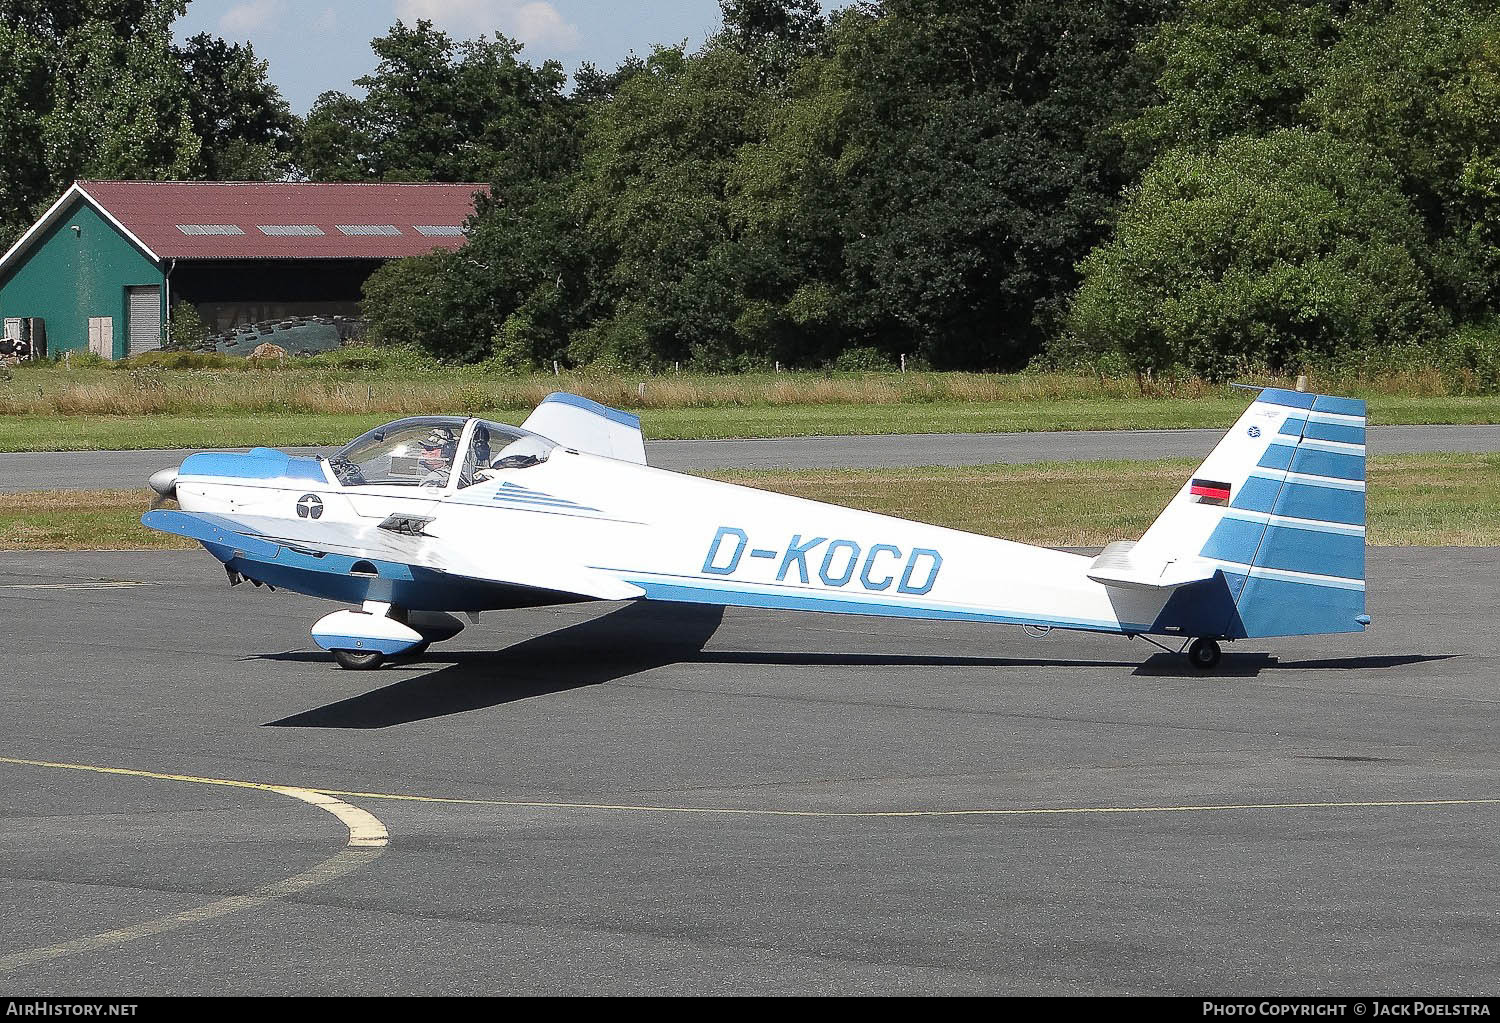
{"type": "Point", "coordinates": [639, 637]}
{"type": "Point", "coordinates": [1250, 665]}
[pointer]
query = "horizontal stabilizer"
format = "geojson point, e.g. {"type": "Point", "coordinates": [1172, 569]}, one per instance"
{"type": "Point", "coordinates": [1117, 567]}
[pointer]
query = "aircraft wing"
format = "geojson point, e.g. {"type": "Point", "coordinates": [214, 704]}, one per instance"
{"type": "Point", "coordinates": [399, 539]}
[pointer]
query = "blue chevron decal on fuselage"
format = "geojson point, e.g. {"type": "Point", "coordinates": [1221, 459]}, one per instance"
{"type": "Point", "coordinates": [511, 493]}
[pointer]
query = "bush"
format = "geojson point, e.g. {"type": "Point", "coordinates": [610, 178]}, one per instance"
{"type": "Point", "coordinates": [514, 346]}
{"type": "Point", "coordinates": [188, 329]}
{"type": "Point", "coordinates": [863, 360]}
{"type": "Point", "coordinates": [1466, 361]}
{"type": "Point", "coordinates": [1259, 253]}
{"type": "Point", "coordinates": [81, 358]}
{"type": "Point", "coordinates": [396, 358]}
{"type": "Point", "coordinates": [1470, 359]}
{"type": "Point", "coordinates": [617, 344]}
{"type": "Point", "coordinates": [413, 301]}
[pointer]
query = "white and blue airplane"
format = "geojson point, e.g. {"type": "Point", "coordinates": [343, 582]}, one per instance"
{"type": "Point", "coordinates": [433, 515]}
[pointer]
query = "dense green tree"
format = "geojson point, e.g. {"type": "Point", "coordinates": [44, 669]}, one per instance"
{"type": "Point", "coordinates": [651, 200]}
{"type": "Point", "coordinates": [1258, 252]}
{"type": "Point", "coordinates": [440, 110]}
{"type": "Point", "coordinates": [407, 301]}
{"type": "Point", "coordinates": [752, 23]}
{"type": "Point", "coordinates": [590, 84]}
{"type": "Point", "coordinates": [1418, 82]}
{"type": "Point", "coordinates": [1232, 67]}
{"type": "Point", "coordinates": [96, 88]}
{"type": "Point", "coordinates": [775, 34]}
{"type": "Point", "coordinates": [25, 87]}
{"type": "Point", "coordinates": [789, 194]}
{"type": "Point", "coordinates": [918, 176]}
{"type": "Point", "coordinates": [52, 20]}
{"type": "Point", "coordinates": [520, 284]}
{"type": "Point", "coordinates": [337, 141]}
{"type": "Point", "coordinates": [926, 177]}
{"type": "Point", "coordinates": [984, 167]}
{"type": "Point", "coordinates": [119, 104]}
{"type": "Point", "coordinates": [247, 130]}
{"type": "Point", "coordinates": [1415, 83]}
{"type": "Point", "coordinates": [637, 254]}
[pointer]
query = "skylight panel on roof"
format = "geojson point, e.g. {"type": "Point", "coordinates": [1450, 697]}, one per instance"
{"type": "Point", "coordinates": [210, 229]}
{"type": "Point", "coordinates": [291, 230]}
{"type": "Point", "coordinates": [353, 229]}
{"type": "Point", "coordinates": [439, 230]}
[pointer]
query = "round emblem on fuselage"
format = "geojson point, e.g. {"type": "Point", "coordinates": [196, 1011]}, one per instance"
{"type": "Point", "coordinates": [309, 506]}
{"type": "Point", "coordinates": [1255, 431]}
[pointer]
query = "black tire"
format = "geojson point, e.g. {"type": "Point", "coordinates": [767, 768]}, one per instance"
{"type": "Point", "coordinates": [1204, 654]}
{"type": "Point", "coordinates": [358, 660]}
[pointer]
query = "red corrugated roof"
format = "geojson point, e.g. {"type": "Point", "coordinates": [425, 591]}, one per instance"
{"type": "Point", "coordinates": [157, 211]}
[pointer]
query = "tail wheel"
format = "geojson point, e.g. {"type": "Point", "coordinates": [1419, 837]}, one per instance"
{"type": "Point", "coordinates": [358, 660]}
{"type": "Point", "coordinates": [1204, 654]}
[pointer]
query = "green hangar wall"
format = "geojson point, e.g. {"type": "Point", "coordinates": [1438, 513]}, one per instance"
{"type": "Point", "coordinates": [70, 277]}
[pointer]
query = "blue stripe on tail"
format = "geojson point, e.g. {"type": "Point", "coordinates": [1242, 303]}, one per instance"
{"type": "Point", "coordinates": [1301, 577]}
{"type": "Point", "coordinates": [1301, 500]}
{"type": "Point", "coordinates": [1281, 607]}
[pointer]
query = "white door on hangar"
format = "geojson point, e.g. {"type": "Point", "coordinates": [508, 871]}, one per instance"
{"type": "Point", "coordinates": [102, 336]}
{"type": "Point", "coordinates": [145, 318]}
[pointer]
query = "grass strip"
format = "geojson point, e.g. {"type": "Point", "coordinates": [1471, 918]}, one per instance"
{"type": "Point", "coordinates": [1418, 500]}
{"type": "Point", "coordinates": [274, 429]}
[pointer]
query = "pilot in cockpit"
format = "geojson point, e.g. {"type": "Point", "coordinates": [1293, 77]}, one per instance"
{"type": "Point", "coordinates": [438, 451]}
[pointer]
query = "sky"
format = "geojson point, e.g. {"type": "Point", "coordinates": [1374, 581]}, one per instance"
{"type": "Point", "coordinates": [317, 45]}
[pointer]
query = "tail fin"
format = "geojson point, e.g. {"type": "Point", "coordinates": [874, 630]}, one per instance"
{"type": "Point", "coordinates": [1279, 507]}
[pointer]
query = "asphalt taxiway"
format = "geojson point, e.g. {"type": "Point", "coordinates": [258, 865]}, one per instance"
{"type": "Point", "coordinates": [89, 470]}
{"type": "Point", "coordinates": [656, 798]}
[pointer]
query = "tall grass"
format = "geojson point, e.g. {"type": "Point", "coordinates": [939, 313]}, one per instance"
{"type": "Point", "coordinates": [400, 380]}
{"type": "Point", "coordinates": [306, 386]}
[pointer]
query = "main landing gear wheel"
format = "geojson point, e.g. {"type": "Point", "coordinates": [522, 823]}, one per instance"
{"type": "Point", "coordinates": [1204, 654]}
{"type": "Point", "coordinates": [358, 660]}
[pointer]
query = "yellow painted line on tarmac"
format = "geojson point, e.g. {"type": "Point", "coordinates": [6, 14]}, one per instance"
{"type": "Point", "coordinates": [1025, 811]}
{"type": "Point", "coordinates": [98, 585]}
{"type": "Point", "coordinates": [368, 838]}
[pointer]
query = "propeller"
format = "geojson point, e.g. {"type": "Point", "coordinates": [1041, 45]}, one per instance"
{"type": "Point", "coordinates": [164, 483]}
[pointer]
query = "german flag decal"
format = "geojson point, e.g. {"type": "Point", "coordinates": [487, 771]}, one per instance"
{"type": "Point", "coordinates": [1210, 492]}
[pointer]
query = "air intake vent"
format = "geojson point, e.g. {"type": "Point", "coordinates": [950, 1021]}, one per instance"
{"type": "Point", "coordinates": [439, 231]}
{"type": "Point", "coordinates": [291, 230]}
{"type": "Point", "coordinates": [362, 229]}
{"type": "Point", "coordinates": [210, 229]}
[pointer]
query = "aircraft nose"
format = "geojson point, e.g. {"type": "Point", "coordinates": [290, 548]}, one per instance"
{"type": "Point", "coordinates": [164, 481]}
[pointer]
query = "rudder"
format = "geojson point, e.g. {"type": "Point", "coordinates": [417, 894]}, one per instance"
{"type": "Point", "coordinates": [1279, 508]}
{"type": "Point", "coordinates": [1307, 573]}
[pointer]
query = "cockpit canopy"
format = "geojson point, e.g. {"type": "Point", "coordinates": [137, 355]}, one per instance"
{"type": "Point", "coordinates": [427, 450]}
